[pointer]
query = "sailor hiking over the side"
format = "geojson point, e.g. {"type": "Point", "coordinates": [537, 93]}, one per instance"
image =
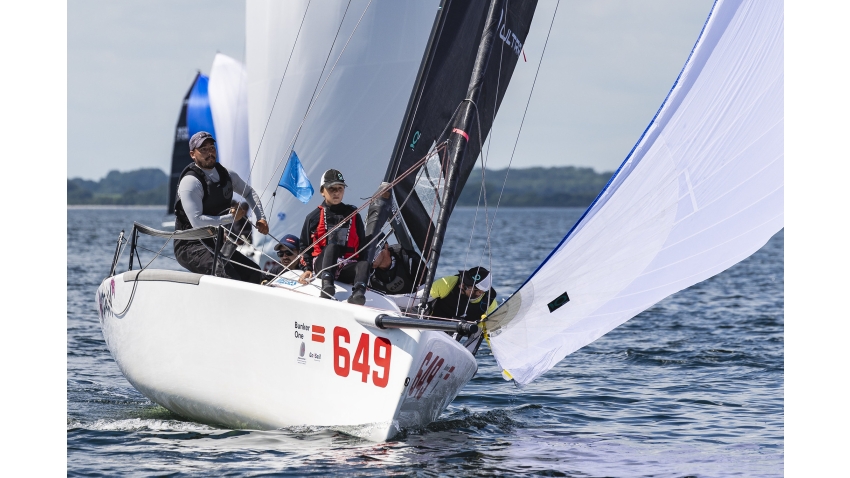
{"type": "Point", "coordinates": [468, 294]}
{"type": "Point", "coordinates": [204, 195]}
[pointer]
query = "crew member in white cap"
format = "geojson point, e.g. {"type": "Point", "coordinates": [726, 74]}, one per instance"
{"type": "Point", "coordinates": [467, 294]}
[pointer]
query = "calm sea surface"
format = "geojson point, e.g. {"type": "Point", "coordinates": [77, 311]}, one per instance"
{"type": "Point", "coordinates": [691, 387]}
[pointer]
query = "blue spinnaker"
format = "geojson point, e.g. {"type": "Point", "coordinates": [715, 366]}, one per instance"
{"type": "Point", "coordinates": [198, 112]}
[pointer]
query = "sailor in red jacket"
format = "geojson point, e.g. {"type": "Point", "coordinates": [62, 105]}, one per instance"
{"type": "Point", "coordinates": [338, 255]}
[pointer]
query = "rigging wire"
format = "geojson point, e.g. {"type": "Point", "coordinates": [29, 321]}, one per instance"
{"type": "Point", "coordinates": [528, 102]}
{"type": "Point", "coordinates": [315, 98]}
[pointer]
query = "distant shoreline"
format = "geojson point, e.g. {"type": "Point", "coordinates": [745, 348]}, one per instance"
{"type": "Point", "coordinates": [116, 206]}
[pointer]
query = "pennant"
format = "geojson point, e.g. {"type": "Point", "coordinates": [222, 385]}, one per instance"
{"type": "Point", "coordinates": [295, 179]}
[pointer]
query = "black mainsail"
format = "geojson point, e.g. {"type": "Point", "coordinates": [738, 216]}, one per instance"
{"type": "Point", "coordinates": [447, 77]}
{"type": "Point", "coordinates": [180, 155]}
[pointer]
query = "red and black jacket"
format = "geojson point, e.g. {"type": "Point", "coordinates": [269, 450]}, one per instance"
{"type": "Point", "coordinates": [321, 220]}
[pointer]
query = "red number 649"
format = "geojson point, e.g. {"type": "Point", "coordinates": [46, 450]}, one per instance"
{"type": "Point", "coordinates": [343, 365]}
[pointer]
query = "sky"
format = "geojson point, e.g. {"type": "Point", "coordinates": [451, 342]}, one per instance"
{"type": "Point", "coordinates": [608, 66]}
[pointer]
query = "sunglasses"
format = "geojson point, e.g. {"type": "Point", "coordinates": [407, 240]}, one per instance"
{"type": "Point", "coordinates": [285, 252]}
{"type": "Point", "coordinates": [471, 288]}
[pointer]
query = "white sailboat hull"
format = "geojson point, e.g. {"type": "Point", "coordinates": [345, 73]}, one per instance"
{"type": "Point", "coordinates": [240, 355]}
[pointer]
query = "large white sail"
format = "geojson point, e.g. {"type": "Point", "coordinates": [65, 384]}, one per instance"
{"type": "Point", "coordinates": [374, 49]}
{"type": "Point", "coordinates": [701, 191]}
{"type": "Point", "coordinates": [228, 92]}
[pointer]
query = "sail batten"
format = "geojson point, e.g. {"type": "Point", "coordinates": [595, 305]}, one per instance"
{"type": "Point", "coordinates": [700, 191]}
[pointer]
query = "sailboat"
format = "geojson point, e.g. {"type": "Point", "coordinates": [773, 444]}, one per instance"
{"type": "Point", "coordinates": [700, 191]}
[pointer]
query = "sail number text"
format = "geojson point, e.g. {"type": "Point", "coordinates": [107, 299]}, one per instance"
{"type": "Point", "coordinates": [344, 363]}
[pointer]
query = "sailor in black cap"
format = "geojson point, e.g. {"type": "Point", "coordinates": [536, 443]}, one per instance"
{"type": "Point", "coordinates": [204, 192]}
{"type": "Point", "coordinates": [337, 254]}
{"type": "Point", "coordinates": [468, 294]}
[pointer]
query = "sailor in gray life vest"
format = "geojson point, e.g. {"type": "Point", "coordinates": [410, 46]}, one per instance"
{"type": "Point", "coordinates": [338, 255]}
{"type": "Point", "coordinates": [204, 192]}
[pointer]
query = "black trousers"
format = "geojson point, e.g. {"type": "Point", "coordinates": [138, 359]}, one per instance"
{"type": "Point", "coordinates": [351, 273]}
{"type": "Point", "coordinates": [197, 257]}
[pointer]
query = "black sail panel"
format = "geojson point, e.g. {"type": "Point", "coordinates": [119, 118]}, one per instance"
{"type": "Point", "coordinates": [441, 87]}
{"type": "Point", "coordinates": [180, 155]}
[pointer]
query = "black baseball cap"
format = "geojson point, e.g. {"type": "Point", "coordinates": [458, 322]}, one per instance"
{"type": "Point", "coordinates": [333, 177]}
{"type": "Point", "coordinates": [477, 276]}
{"type": "Point", "coordinates": [198, 139]}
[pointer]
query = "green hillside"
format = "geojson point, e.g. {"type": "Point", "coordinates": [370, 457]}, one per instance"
{"type": "Point", "coordinates": [526, 187]}
{"type": "Point", "coordinates": [147, 186]}
{"type": "Point", "coordinates": [566, 186]}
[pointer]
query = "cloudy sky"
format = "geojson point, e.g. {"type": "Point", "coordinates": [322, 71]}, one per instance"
{"type": "Point", "coordinates": [608, 67]}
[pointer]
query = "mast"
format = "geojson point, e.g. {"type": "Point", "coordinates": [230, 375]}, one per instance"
{"type": "Point", "coordinates": [459, 138]}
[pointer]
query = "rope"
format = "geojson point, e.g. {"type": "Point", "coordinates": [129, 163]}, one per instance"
{"type": "Point", "coordinates": [522, 122]}
{"type": "Point", "coordinates": [367, 203]}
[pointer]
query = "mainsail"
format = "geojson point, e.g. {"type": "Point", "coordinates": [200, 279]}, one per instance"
{"type": "Point", "coordinates": [228, 99]}
{"type": "Point", "coordinates": [701, 190]}
{"type": "Point", "coordinates": [329, 80]}
{"type": "Point", "coordinates": [441, 87]}
{"type": "Point", "coordinates": [180, 155]}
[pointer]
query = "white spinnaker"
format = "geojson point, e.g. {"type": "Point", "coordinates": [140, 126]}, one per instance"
{"type": "Point", "coordinates": [354, 123]}
{"type": "Point", "coordinates": [228, 92]}
{"type": "Point", "coordinates": [701, 191]}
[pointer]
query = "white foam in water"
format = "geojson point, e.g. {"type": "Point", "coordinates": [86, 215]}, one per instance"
{"type": "Point", "coordinates": [134, 424]}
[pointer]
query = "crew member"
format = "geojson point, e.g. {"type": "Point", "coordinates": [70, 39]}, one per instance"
{"type": "Point", "coordinates": [337, 254]}
{"type": "Point", "coordinates": [204, 193]}
{"type": "Point", "coordinates": [468, 294]}
{"type": "Point", "coordinates": [287, 250]}
{"type": "Point", "coordinates": [396, 270]}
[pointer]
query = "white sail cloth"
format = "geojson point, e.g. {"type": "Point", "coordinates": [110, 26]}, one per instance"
{"type": "Point", "coordinates": [701, 191]}
{"type": "Point", "coordinates": [354, 122]}
{"type": "Point", "coordinates": [228, 93]}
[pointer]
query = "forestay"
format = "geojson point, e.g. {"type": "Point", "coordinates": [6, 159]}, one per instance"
{"type": "Point", "coordinates": [357, 61]}
{"type": "Point", "coordinates": [228, 92]}
{"type": "Point", "coordinates": [701, 191]}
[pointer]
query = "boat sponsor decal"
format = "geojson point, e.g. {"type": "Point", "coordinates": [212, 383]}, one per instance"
{"type": "Point", "coordinates": [318, 334]}
{"type": "Point", "coordinates": [309, 348]}
{"type": "Point", "coordinates": [359, 362]}
{"type": "Point", "coordinates": [105, 293]}
{"type": "Point", "coordinates": [416, 136]}
{"type": "Point", "coordinates": [558, 302]}
{"type": "Point", "coordinates": [289, 282]}
{"type": "Point", "coordinates": [432, 365]}
{"type": "Point", "coordinates": [507, 35]}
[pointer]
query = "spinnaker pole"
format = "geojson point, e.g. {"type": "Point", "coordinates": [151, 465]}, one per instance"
{"type": "Point", "coordinates": [459, 138]}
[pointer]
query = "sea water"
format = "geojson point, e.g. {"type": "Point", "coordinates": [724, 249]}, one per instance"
{"type": "Point", "coordinates": [692, 386]}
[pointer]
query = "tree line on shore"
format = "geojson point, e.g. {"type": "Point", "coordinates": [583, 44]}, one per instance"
{"type": "Point", "coordinates": [566, 186]}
